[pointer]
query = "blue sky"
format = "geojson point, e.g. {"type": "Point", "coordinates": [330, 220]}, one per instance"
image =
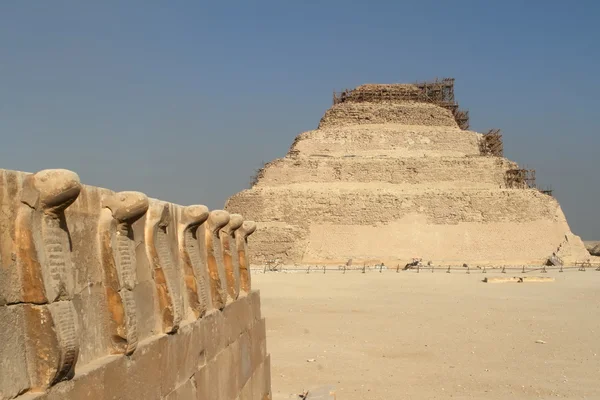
{"type": "Point", "coordinates": [184, 99]}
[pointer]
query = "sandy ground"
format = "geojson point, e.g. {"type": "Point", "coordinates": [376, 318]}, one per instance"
{"type": "Point", "coordinates": [433, 335]}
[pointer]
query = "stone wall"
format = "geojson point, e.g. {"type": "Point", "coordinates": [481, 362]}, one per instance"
{"type": "Point", "coordinates": [109, 295]}
{"type": "Point", "coordinates": [407, 113]}
{"type": "Point", "coordinates": [391, 140]}
{"type": "Point", "coordinates": [328, 224]}
{"type": "Point", "coordinates": [449, 172]}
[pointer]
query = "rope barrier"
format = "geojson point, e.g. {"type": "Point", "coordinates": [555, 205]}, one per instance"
{"type": "Point", "coordinates": [448, 268]}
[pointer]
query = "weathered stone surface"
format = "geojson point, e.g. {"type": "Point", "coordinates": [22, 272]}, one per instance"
{"type": "Point", "coordinates": [254, 301]}
{"type": "Point", "coordinates": [94, 280]}
{"type": "Point", "coordinates": [159, 247]}
{"type": "Point", "coordinates": [187, 391]}
{"type": "Point", "coordinates": [137, 376]}
{"type": "Point", "coordinates": [117, 246]}
{"type": "Point", "coordinates": [267, 377]}
{"type": "Point", "coordinates": [594, 250]}
{"type": "Point", "coordinates": [183, 354]}
{"type": "Point", "coordinates": [406, 113]}
{"type": "Point", "coordinates": [238, 318]}
{"type": "Point", "coordinates": [93, 328]}
{"type": "Point", "coordinates": [215, 386]}
{"type": "Point", "coordinates": [89, 383]}
{"type": "Point", "coordinates": [245, 358]}
{"type": "Point", "coordinates": [230, 254]}
{"type": "Point", "coordinates": [261, 385]}
{"type": "Point", "coordinates": [202, 383]}
{"type": "Point", "coordinates": [241, 238]}
{"type": "Point", "coordinates": [192, 262]}
{"type": "Point", "coordinates": [258, 342]}
{"type": "Point", "coordinates": [214, 257]}
{"type": "Point", "coordinates": [228, 379]}
{"type": "Point", "coordinates": [46, 269]}
{"type": "Point", "coordinates": [149, 319]}
{"type": "Point", "coordinates": [14, 378]}
{"type": "Point", "coordinates": [214, 329]}
{"type": "Point", "coordinates": [11, 289]}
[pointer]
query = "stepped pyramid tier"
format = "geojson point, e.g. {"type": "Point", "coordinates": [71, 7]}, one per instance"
{"type": "Point", "coordinates": [393, 173]}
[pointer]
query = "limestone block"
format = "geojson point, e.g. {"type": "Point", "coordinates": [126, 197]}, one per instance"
{"type": "Point", "coordinates": [89, 383]}
{"type": "Point", "coordinates": [187, 391]}
{"type": "Point", "coordinates": [172, 357]}
{"type": "Point", "coordinates": [14, 377]}
{"type": "Point", "coordinates": [235, 383]}
{"type": "Point", "coordinates": [214, 257]}
{"type": "Point", "coordinates": [11, 289]}
{"type": "Point", "coordinates": [237, 319]}
{"type": "Point", "coordinates": [259, 383]}
{"type": "Point", "coordinates": [194, 268]}
{"type": "Point", "coordinates": [213, 326]}
{"type": "Point", "coordinates": [215, 389]}
{"type": "Point", "coordinates": [160, 240]}
{"type": "Point", "coordinates": [267, 376]}
{"type": "Point", "coordinates": [254, 301]}
{"type": "Point", "coordinates": [195, 357]}
{"type": "Point", "coordinates": [230, 254]}
{"type": "Point", "coordinates": [245, 363]}
{"type": "Point", "coordinates": [139, 375]}
{"type": "Point", "coordinates": [91, 309]}
{"type": "Point", "coordinates": [202, 383]}
{"type": "Point", "coordinates": [241, 239]}
{"type": "Point", "coordinates": [228, 379]}
{"type": "Point", "coordinates": [147, 311]}
{"type": "Point", "coordinates": [246, 392]}
{"type": "Point", "coordinates": [258, 343]}
{"type": "Point", "coordinates": [182, 355]}
{"type": "Point", "coordinates": [118, 257]}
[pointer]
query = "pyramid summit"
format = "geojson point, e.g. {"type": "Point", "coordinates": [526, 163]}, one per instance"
{"type": "Point", "coordinates": [393, 173]}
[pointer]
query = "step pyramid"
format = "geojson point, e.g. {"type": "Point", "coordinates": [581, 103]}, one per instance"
{"type": "Point", "coordinates": [392, 173]}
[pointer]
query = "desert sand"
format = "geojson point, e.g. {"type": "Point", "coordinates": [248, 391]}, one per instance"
{"type": "Point", "coordinates": [433, 335]}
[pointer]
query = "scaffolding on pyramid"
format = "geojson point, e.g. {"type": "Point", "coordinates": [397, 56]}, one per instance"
{"type": "Point", "coordinates": [491, 144]}
{"type": "Point", "coordinates": [439, 92]}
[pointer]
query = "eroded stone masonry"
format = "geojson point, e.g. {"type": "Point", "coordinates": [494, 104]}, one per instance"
{"type": "Point", "coordinates": [393, 173]}
{"type": "Point", "coordinates": [108, 295]}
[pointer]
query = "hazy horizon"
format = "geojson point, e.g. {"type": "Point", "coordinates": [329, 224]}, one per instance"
{"type": "Point", "coordinates": [183, 101]}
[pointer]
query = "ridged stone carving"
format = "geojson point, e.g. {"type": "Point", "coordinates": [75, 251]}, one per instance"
{"type": "Point", "coordinates": [217, 219]}
{"type": "Point", "coordinates": [160, 254]}
{"type": "Point", "coordinates": [117, 245]}
{"type": "Point", "coordinates": [194, 270]}
{"type": "Point", "coordinates": [230, 256]}
{"type": "Point", "coordinates": [44, 251]}
{"type": "Point", "coordinates": [241, 238]}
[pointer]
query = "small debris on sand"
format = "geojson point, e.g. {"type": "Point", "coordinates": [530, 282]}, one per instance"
{"type": "Point", "coordinates": [518, 279]}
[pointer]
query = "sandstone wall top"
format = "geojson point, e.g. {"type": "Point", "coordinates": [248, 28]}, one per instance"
{"type": "Point", "coordinates": [87, 273]}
